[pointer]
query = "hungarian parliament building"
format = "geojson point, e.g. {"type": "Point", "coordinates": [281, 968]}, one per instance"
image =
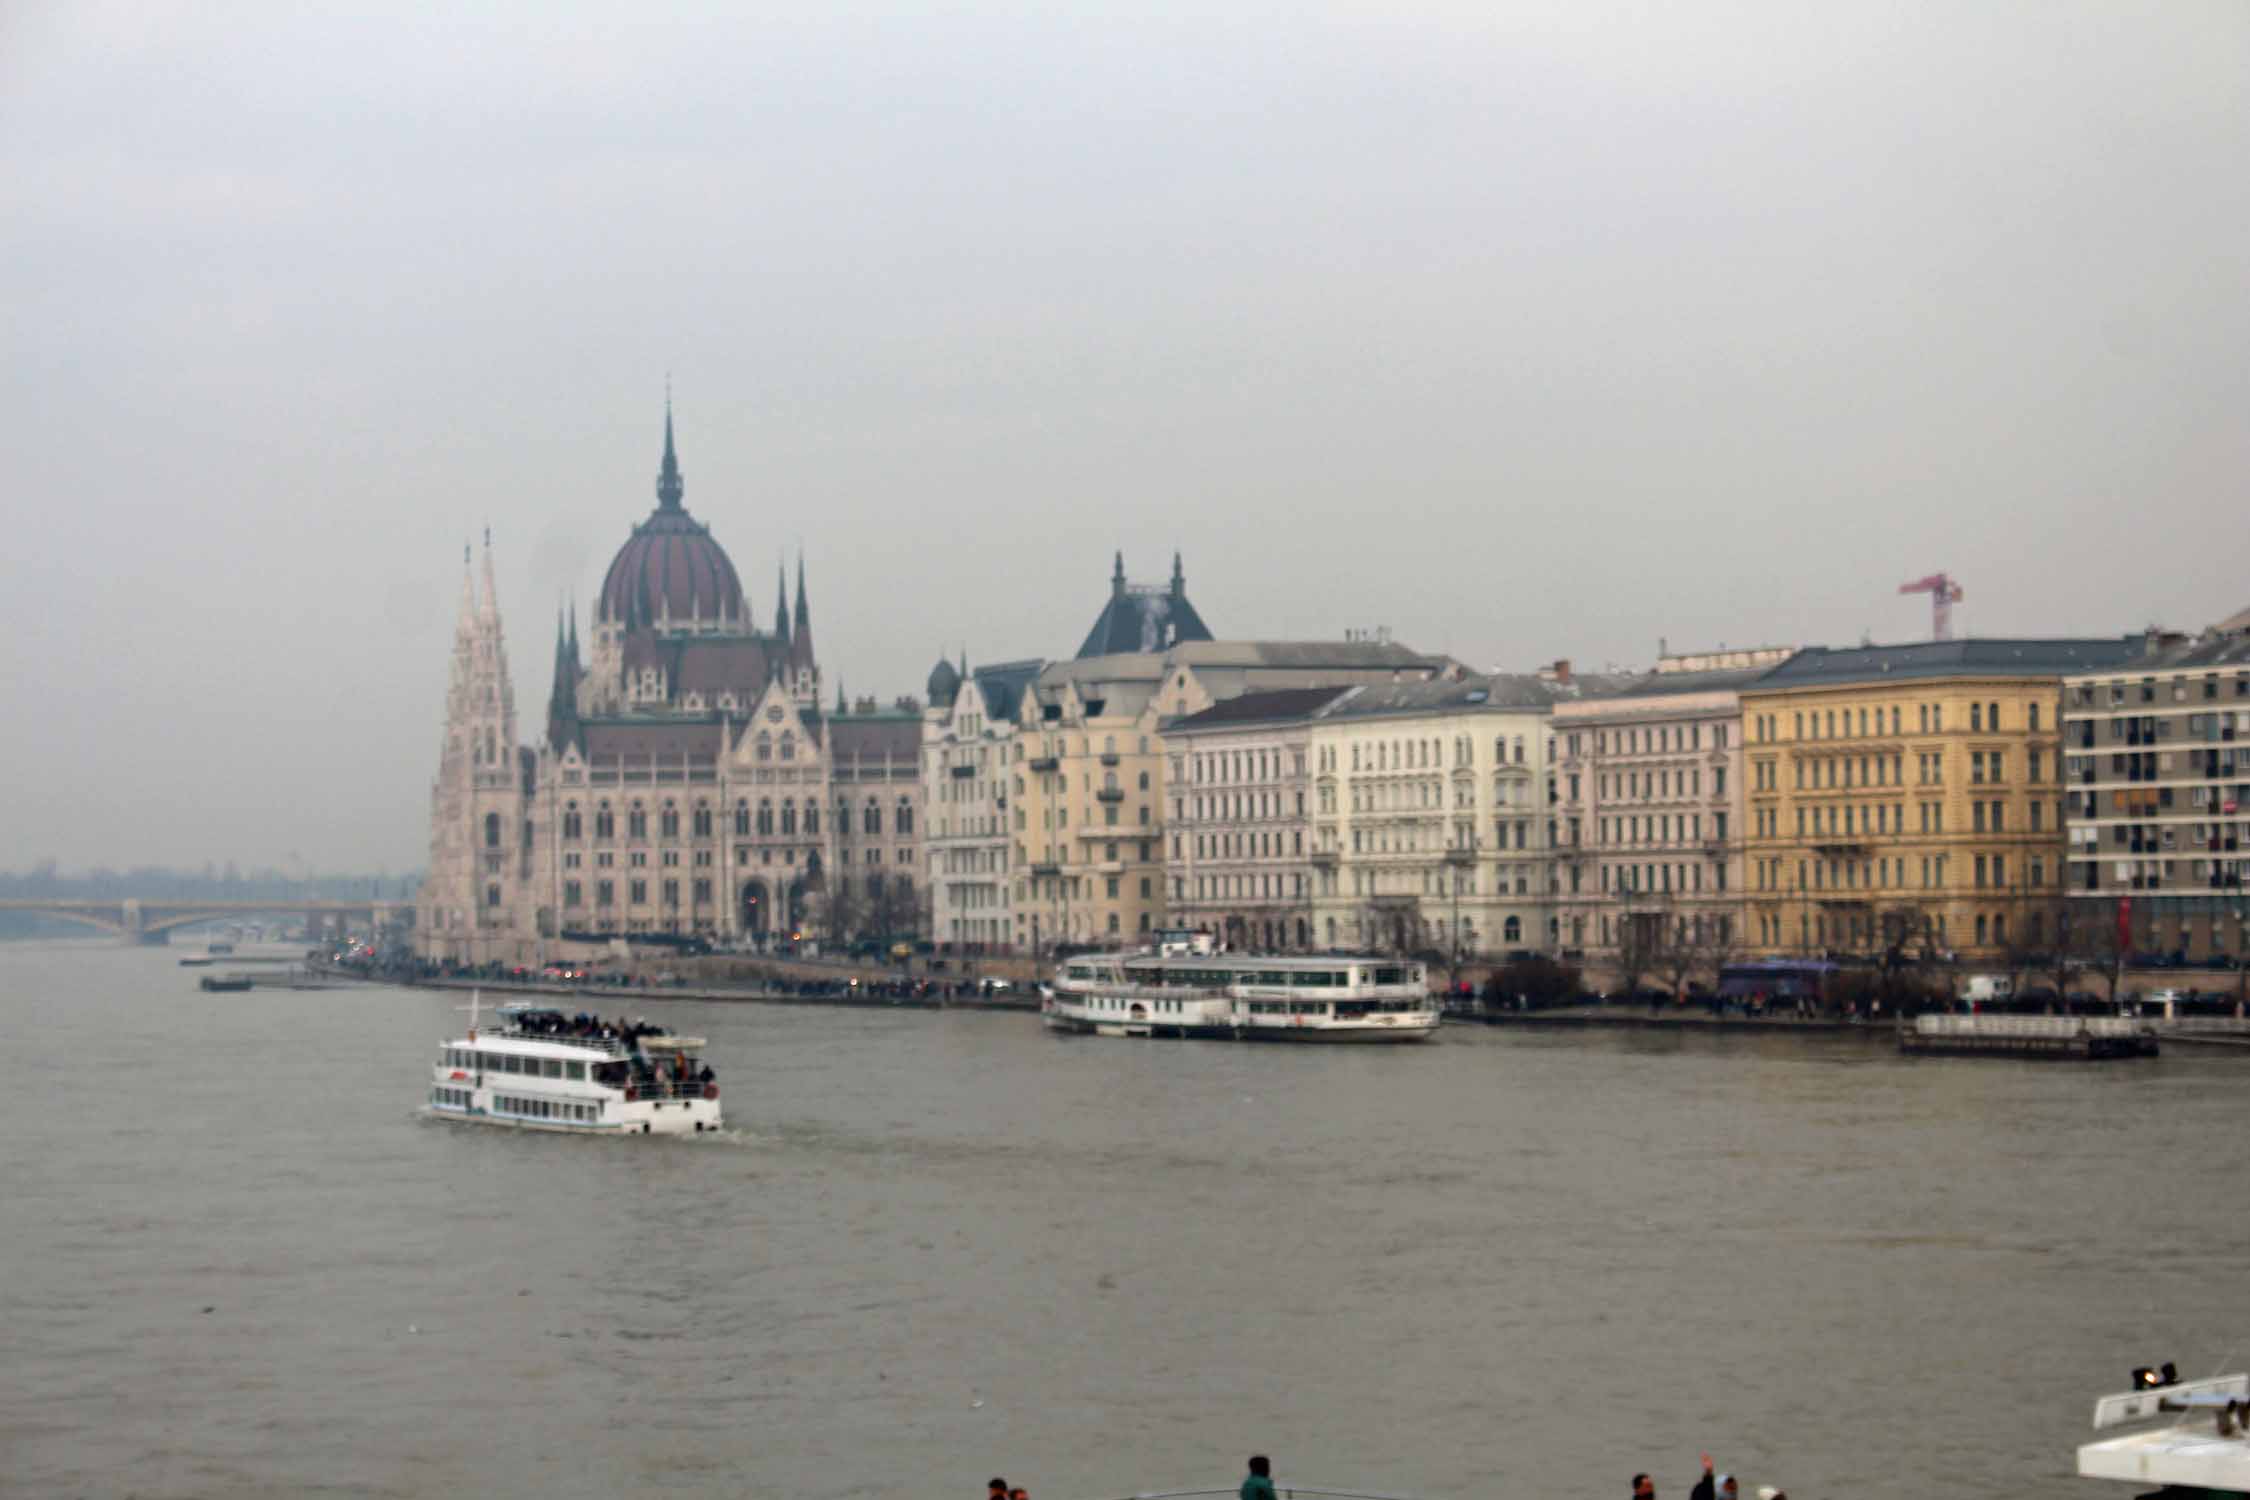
{"type": "Point", "coordinates": [687, 781]}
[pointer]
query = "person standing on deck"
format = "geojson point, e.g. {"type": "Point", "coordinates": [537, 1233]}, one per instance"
{"type": "Point", "coordinates": [1258, 1484]}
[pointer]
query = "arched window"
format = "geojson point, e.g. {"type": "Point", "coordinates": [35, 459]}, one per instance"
{"type": "Point", "coordinates": [788, 817]}
{"type": "Point", "coordinates": [873, 821]}
{"type": "Point", "coordinates": [812, 818]}
{"type": "Point", "coordinates": [702, 820]}
{"type": "Point", "coordinates": [788, 747]}
{"type": "Point", "coordinates": [573, 828]}
{"type": "Point", "coordinates": [668, 820]}
{"type": "Point", "coordinates": [605, 822]}
{"type": "Point", "coordinates": [636, 822]}
{"type": "Point", "coordinates": [1144, 781]}
{"type": "Point", "coordinates": [903, 819]}
{"type": "Point", "coordinates": [1511, 931]}
{"type": "Point", "coordinates": [765, 815]}
{"type": "Point", "coordinates": [491, 830]}
{"type": "Point", "coordinates": [742, 819]}
{"type": "Point", "coordinates": [765, 745]}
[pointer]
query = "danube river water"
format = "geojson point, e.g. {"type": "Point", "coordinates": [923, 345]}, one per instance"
{"type": "Point", "coordinates": [236, 1260]}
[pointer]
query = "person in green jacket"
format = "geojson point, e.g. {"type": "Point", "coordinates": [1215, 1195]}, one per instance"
{"type": "Point", "coordinates": [1259, 1484]}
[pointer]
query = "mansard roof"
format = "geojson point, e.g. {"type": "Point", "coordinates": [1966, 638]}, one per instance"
{"type": "Point", "coordinates": [1144, 617]}
{"type": "Point", "coordinates": [1281, 706]}
{"type": "Point", "coordinates": [1003, 684]}
{"type": "Point", "coordinates": [1521, 690]}
{"type": "Point", "coordinates": [1824, 666]}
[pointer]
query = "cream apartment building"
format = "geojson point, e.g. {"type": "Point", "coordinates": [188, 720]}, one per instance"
{"type": "Point", "coordinates": [1430, 818]}
{"type": "Point", "coordinates": [1648, 783]}
{"type": "Point", "coordinates": [968, 740]}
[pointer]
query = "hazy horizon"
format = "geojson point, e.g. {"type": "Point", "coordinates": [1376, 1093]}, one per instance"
{"type": "Point", "coordinates": [1528, 331]}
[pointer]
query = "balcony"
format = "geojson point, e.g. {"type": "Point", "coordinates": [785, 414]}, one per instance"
{"type": "Point", "coordinates": [1110, 794]}
{"type": "Point", "coordinates": [1046, 869]}
{"type": "Point", "coordinates": [1457, 855]}
{"type": "Point", "coordinates": [1108, 757]}
{"type": "Point", "coordinates": [964, 769]}
{"type": "Point", "coordinates": [1043, 763]}
{"type": "Point", "coordinates": [1844, 849]}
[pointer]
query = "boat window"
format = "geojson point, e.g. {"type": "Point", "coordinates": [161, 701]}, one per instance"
{"type": "Point", "coordinates": [578, 1072]}
{"type": "Point", "coordinates": [1390, 975]}
{"type": "Point", "coordinates": [552, 1067]}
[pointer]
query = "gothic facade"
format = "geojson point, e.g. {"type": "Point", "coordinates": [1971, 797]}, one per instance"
{"type": "Point", "coordinates": [689, 784]}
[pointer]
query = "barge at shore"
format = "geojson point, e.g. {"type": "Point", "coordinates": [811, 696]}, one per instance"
{"type": "Point", "coordinates": [2067, 1038]}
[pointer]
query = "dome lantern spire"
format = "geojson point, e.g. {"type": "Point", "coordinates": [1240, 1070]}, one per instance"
{"type": "Point", "coordinates": [670, 486]}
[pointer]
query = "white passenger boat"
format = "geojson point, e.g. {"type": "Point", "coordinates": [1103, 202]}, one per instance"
{"type": "Point", "coordinates": [1243, 997]}
{"type": "Point", "coordinates": [542, 1070]}
{"type": "Point", "coordinates": [2191, 1438]}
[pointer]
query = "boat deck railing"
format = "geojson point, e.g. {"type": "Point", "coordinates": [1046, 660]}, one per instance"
{"type": "Point", "coordinates": [1283, 1491]}
{"type": "Point", "coordinates": [2028, 1026]}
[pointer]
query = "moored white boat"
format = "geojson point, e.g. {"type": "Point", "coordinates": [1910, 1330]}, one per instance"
{"type": "Point", "coordinates": [2192, 1437]}
{"type": "Point", "coordinates": [1243, 997]}
{"type": "Point", "coordinates": [542, 1070]}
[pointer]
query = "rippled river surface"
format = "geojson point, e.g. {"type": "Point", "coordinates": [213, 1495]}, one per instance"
{"type": "Point", "coordinates": [236, 1260]}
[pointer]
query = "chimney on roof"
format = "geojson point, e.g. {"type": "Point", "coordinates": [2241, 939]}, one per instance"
{"type": "Point", "coordinates": [1562, 670]}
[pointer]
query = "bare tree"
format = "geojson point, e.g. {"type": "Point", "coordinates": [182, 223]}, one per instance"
{"type": "Point", "coordinates": [2090, 939]}
{"type": "Point", "coordinates": [840, 909]}
{"type": "Point", "coordinates": [1642, 943]}
{"type": "Point", "coordinates": [891, 908]}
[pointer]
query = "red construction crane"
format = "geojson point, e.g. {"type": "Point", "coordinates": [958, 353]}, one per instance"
{"type": "Point", "coordinates": [1944, 594]}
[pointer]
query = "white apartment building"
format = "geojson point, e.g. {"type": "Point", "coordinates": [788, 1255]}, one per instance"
{"type": "Point", "coordinates": [1238, 781]}
{"type": "Point", "coordinates": [968, 737]}
{"type": "Point", "coordinates": [1430, 818]}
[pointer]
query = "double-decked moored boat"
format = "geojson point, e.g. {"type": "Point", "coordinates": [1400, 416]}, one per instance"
{"type": "Point", "coordinates": [2191, 1438]}
{"type": "Point", "coordinates": [1244, 997]}
{"type": "Point", "coordinates": [543, 1070]}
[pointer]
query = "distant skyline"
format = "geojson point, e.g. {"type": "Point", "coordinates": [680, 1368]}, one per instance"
{"type": "Point", "coordinates": [1526, 330]}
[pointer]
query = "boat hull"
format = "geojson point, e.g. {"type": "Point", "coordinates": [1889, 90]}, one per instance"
{"type": "Point", "coordinates": [678, 1117]}
{"type": "Point", "coordinates": [1414, 1030]}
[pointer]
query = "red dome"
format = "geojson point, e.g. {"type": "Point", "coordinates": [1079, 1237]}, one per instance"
{"type": "Point", "coordinates": [672, 569]}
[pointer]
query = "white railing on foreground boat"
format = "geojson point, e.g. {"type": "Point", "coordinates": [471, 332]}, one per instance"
{"type": "Point", "coordinates": [2028, 1026]}
{"type": "Point", "coordinates": [1283, 1491]}
{"type": "Point", "coordinates": [2217, 1025]}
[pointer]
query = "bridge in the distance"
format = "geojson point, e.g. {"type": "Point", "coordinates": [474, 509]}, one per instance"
{"type": "Point", "coordinates": [151, 921]}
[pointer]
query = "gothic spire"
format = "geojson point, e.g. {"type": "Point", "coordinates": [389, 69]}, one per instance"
{"type": "Point", "coordinates": [468, 590]}
{"type": "Point", "coordinates": [670, 486]}
{"type": "Point", "coordinates": [491, 591]}
{"type": "Point", "coordinates": [804, 614]}
{"type": "Point", "coordinates": [781, 601]}
{"type": "Point", "coordinates": [1117, 575]}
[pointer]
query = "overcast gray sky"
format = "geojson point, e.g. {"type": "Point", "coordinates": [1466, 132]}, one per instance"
{"type": "Point", "coordinates": [1527, 330]}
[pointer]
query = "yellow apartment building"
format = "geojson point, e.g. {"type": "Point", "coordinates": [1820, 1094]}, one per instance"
{"type": "Point", "coordinates": [1909, 796]}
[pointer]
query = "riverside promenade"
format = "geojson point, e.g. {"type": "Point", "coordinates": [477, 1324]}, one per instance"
{"type": "Point", "coordinates": [872, 994]}
{"type": "Point", "coordinates": [1676, 1018]}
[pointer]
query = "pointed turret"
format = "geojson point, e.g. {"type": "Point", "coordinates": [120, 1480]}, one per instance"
{"type": "Point", "coordinates": [491, 606]}
{"type": "Point", "coordinates": [562, 702]}
{"type": "Point", "coordinates": [670, 484]}
{"type": "Point", "coordinates": [1179, 578]}
{"type": "Point", "coordinates": [1117, 576]}
{"type": "Point", "coordinates": [781, 601]}
{"type": "Point", "coordinates": [468, 621]}
{"type": "Point", "coordinates": [800, 633]}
